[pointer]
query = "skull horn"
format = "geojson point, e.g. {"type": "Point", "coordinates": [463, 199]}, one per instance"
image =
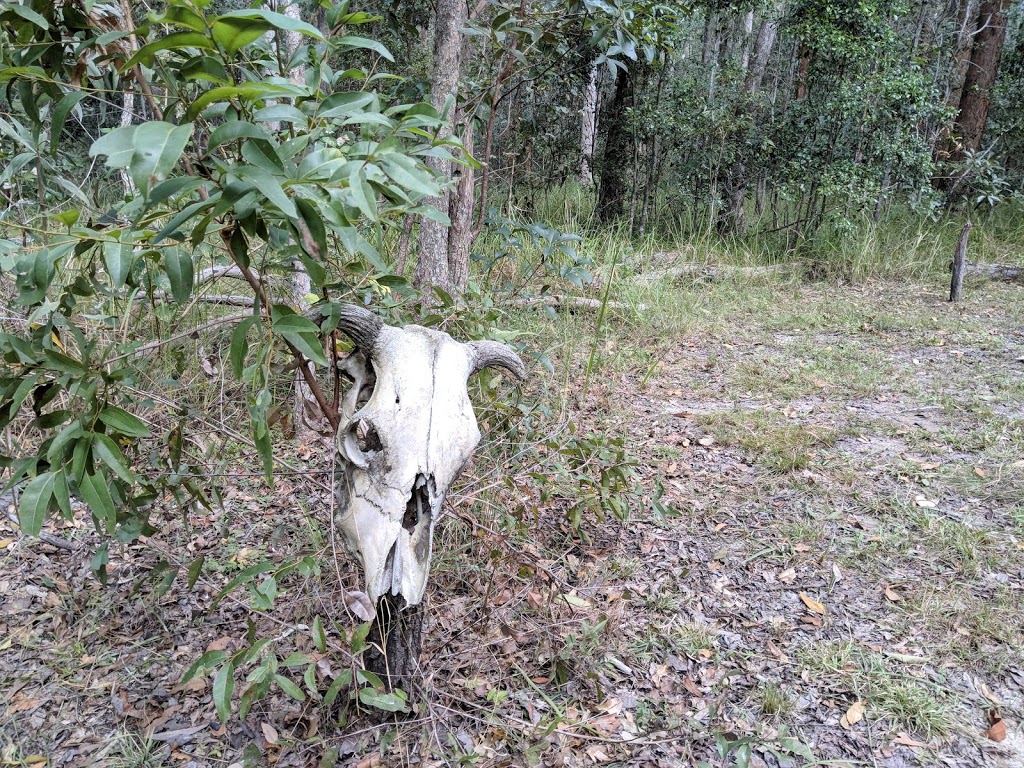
{"type": "Point", "coordinates": [361, 325]}
{"type": "Point", "coordinates": [484, 354]}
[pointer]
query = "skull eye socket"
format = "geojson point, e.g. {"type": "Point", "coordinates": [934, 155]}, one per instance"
{"type": "Point", "coordinates": [361, 442]}
{"type": "Point", "coordinates": [367, 438]}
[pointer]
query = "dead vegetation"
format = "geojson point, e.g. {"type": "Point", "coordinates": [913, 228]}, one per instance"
{"type": "Point", "coordinates": [834, 576]}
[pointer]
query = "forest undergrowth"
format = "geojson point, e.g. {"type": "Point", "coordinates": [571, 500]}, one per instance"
{"type": "Point", "coordinates": [733, 519]}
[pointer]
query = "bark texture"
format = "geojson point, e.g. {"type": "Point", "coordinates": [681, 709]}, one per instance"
{"type": "Point", "coordinates": [432, 265]}
{"type": "Point", "coordinates": [611, 194]}
{"type": "Point", "coordinates": [395, 643]}
{"type": "Point", "coordinates": [588, 127]}
{"type": "Point", "coordinates": [976, 96]}
{"type": "Point", "coordinates": [956, 285]}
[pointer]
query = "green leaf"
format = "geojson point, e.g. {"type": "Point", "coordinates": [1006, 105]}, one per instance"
{"type": "Point", "coordinates": [194, 569]}
{"type": "Point", "coordinates": [172, 187]}
{"type": "Point", "coordinates": [178, 267]}
{"type": "Point", "coordinates": [96, 494]}
{"type": "Point", "coordinates": [270, 187]}
{"type": "Point", "coordinates": [290, 688]}
{"type": "Point", "coordinates": [250, 91]}
{"type": "Point", "coordinates": [234, 130]}
{"type": "Point", "coordinates": [248, 574]}
{"type": "Point", "coordinates": [301, 333]}
{"type": "Point", "coordinates": [343, 679]}
{"type": "Point", "coordinates": [223, 688]}
{"type": "Point", "coordinates": [99, 561]}
{"type": "Point", "coordinates": [240, 345]}
{"type": "Point", "coordinates": [176, 40]}
{"type": "Point", "coordinates": [106, 450]}
{"type": "Point", "coordinates": [118, 146]}
{"type": "Point", "coordinates": [60, 116]}
{"type": "Point", "coordinates": [34, 503]}
{"type": "Point", "coordinates": [352, 41]}
{"type": "Point", "coordinates": [119, 259]}
{"type": "Point", "coordinates": [207, 661]}
{"type": "Point", "coordinates": [389, 702]}
{"type": "Point", "coordinates": [276, 21]}
{"type": "Point", "coordinates": [60, 493]}
{"type": "Point", "coordinates": [406, 172]}
{"type": "Point", "coordinates": [158, 147]}
{"type": "Point", "coordinates": [319, 636]}
{"type": "Point", "coordinates": [27, 13]}
{"type": "Point", "coordinates": [123, 422]}
{"type": "Point", "coordinates": [234, 34]}
{"type": "Point", "coordinates": [362, 193]}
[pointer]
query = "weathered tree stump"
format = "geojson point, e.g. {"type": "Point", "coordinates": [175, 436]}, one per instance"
{"type": "Point", "coordinates": [395, 642]}
{"type": "Point", "coordinates": [956, 286]}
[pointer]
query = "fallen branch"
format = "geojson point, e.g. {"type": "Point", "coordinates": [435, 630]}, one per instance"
{"type": "Point", "coordinates": [574, 302]}
{"type": "Point", "coordinates": [209, 298]}
{"type": "Point", "coordinates": [1004, 272]}
{"type": "Point", "coordinates": [710, 272]}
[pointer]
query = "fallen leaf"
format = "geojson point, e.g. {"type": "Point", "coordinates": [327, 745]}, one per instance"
{"type": "Point", "coordinates": [596, 753]}
{"type": "Point", "coordinates": [707, 441]}
{"type": "Point", "coordinates": [269, 733]}
{"type": "Point", "coordinates": [980, 472]}
{"type": "Point", "coordinates": [892, 595]}
{"type": "Point", "coordinates": [924, 503]}
{"type": "Point", "coordinates": [997, 727]}
{"type": "Point", "coordinates": [691, 686]}
{"type": "Point", "coordinates": [359, 603]}
{"type": "Point", "coordinates": [788, 576]}
{"type": "Point", "coordinates": [853, 715]}
{"type": "Point", "coordinates": [837, 574]}
{"type": "Point", "coordinates": [812, 604]}
{"type": "Point", "coordinates": [906, 741]}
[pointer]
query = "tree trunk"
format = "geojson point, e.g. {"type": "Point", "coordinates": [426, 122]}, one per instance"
{"type": "Point", "coordinates": [976, 97]}
{"type": "Point", "coordinates": [588, 128]}
{"type": "Point", "coordinates": [801, 72]}
{"type": "Point", "coordinates": [611, 193]}
{"type": "Point", "coordinates": [956, 285]}
{"type": "Point", "coordinates": [460, 211]}
{"type": "Point", "coordinates": [981, 75]}
{"type": "Point", "coordinates": [432, 265]}
{"type": "Point", "coordinates": [395, 643]}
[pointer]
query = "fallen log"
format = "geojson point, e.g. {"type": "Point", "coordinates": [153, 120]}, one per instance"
{"type": "Point", "coordinates": [559, 301]}
{"type": "Point", "coordinates": [1004, 272]}
{"type": "Point", "coordinates": [711, 272]}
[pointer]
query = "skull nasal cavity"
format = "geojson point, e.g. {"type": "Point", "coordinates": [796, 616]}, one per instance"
{"type": "Point", "coordinates": [418, 504]}
{"type": "Point", "coordinates": [367, 438]}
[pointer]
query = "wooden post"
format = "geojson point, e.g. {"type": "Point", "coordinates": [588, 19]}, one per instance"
{"type": "Point", "coordinates": [956, 286]}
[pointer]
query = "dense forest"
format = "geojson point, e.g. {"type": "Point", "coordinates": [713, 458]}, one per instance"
{"type": "Point", "coordinates": [702, 240]}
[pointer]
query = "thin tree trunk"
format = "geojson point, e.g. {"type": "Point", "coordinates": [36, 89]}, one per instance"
{"type": "Point", "coordinates": [403, 243]}
{"type": "Point", "coordinates": [460, 211]}
{"type": "Point", "coordinates": [956, 286]}
{"type": "Point", "coordinates": [127, 115]}
{"type": "Point", "coordinates": [588, 127]}
{"type": "Point", "coordinates": [432, 264]}
{"type": "Point", "coordinates": [611, 192]}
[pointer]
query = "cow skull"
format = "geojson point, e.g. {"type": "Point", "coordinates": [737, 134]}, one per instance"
{"type": "Point", "coordinates": [407, 430]}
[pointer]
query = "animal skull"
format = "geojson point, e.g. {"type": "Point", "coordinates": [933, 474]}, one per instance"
{"type": "Point", "coordinates": [407, 430]}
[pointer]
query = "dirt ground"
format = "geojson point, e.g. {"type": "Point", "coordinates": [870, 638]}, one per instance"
{"type": "Point", "coordinates": [836, 575]}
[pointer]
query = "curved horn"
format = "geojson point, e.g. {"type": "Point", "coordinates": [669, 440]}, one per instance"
{"type": "Point", "coordinates": [361, 325]}
{"type": "Point", "coordinates": [484, 354]}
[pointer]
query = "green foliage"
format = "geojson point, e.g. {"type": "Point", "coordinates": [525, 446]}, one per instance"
{"type": "Point", "coordinates": [217, 183]}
